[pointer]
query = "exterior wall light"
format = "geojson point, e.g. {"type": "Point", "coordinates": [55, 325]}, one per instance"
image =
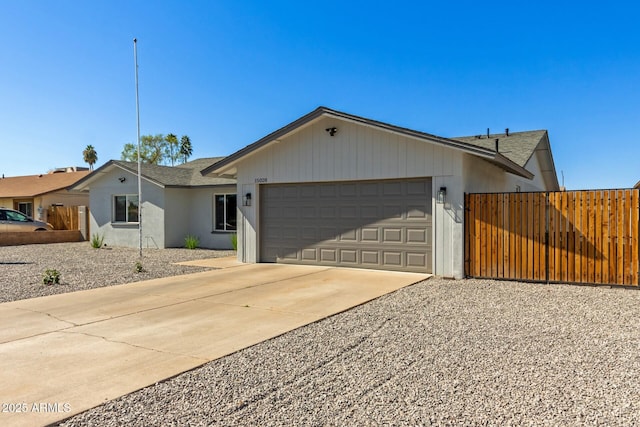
{"type": "Point", "coordinates": [246, 200]}
{"type": "Point", "coordinates": [122, 179]}
{"type": "Point", "coordinates": [442, 195]}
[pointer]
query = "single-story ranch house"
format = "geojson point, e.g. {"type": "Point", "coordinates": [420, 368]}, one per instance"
{"type": "Point", "coordinates": [177, 201]}
{"type": "Point", "coordinates": [34, 194]}
{"type": "Point", "coordinates": [340, 190]}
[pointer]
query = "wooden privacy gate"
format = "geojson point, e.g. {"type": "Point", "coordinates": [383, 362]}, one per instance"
{"type": "Point", "coordinates": [572, 237]}
{"type": "Point", "coordinates": [63, 217]}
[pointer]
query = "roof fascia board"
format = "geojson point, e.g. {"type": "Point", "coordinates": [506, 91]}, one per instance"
{"type": "Point", "coordinates": [264, 141]}
{"type": "Point", "coordinates": [230, 161]}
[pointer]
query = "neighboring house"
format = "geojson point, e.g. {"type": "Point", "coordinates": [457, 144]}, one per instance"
{"type": "Point", "coordinates": [34, 194]}
{"type": "Point", "coordinates": [177, 201]}
{"type": "Point", "coordinates": [637, 185]}
{"type": "Point", "coordinates": [336, 189]}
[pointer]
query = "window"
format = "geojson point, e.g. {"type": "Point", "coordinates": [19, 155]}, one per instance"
{"type": "Point", "coordinates": [224, 207]}
{"type": "Point", "coordinates": [15, 216]}
{"type": "Point", "coordinates": [26, 208]}
{"type": "Point", "coordinates": [125, 208]}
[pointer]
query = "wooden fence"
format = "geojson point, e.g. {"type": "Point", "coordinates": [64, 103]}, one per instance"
{"type": "Point", "coordinates": [63, 217]}
{"type": "Point", "coordinates": [574, 236]}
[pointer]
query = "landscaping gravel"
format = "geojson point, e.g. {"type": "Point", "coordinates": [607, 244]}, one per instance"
{"type": "Point", "coordinates": [83, 267]}
{"type": "Point", "coordinates": [470, 352]}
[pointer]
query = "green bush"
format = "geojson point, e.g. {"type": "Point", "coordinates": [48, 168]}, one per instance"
{"type": "Point", "coordinates": [138, 267]}
{"type": "Point", "coordinates": [97, 240]}
{"type": "Point", "coordinates": [234, 241]}
{"type": "Point", "coordinates": [51, 276]}
{"type": "Point", "coordinates": [191, 242]}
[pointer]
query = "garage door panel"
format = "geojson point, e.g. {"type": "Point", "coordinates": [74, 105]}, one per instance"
{"type": "Point", "coordinates": [416, 235]}
{"type": "Point", "coordinates": [370, 258]}
{"type": "Point", "coordinates": [416, 259]}
{"type": "Point", "coordinates": [422, 188]}
{"type": "Point", "coordinates": [369, 234]}
{"type": "Point", "coordinates": [309, 254]}
{"type": "Point", "coordinates": [349, 235]}
{"type": "Point", "coordinates": [392, 235]}
{"type": "Point", "coordinates": [369, 224]}
{"type": "Point", "coordinates": [417, 212]}
{"type": "Point", "coordinates": [328, 255]}
{"type": "Point", "coordinates": [392, 211]}
{"type": "Point", "coordinates": [392, 258]}
{"type": "Point", "coordinates": [349, 256]}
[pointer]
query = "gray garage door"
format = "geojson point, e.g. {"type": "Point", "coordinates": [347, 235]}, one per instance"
{"type": "Point", "coordinates": [369, 224]}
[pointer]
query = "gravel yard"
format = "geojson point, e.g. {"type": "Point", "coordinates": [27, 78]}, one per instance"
{"type": "Point", "coordinates": [83, 267]}
{"type": "Point", "coordinates": [472, 352]}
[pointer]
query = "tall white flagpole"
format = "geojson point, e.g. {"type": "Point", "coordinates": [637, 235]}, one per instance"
{"type": "Point", "coordinates": [135, 56]}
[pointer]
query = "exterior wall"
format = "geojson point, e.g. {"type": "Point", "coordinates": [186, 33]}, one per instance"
{"type": "Point", "coordinates": [101, 211]}
{"type": "Point", "coordinates": [357, 152]}
{"type": "Point", "coordinates": [190, 211]}
{"type": "Point", "coordinates": [42, 203]}
{"type": "Point", "coordinates": [483, 177]}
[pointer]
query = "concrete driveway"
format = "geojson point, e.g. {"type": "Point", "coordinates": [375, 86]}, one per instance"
{"type": "Point", "coordinates": [63, 354]}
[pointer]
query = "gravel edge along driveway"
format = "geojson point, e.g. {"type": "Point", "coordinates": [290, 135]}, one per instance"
{"type": "Point", "coordinates": [83, 267]}
{"type": "Point", "coordinates": [468, 352]}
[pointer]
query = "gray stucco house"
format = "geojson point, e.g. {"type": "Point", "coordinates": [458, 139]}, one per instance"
{"type": "Point", "coordinates": [177, 201]}
{"type": "Point", "coordinates": [335, 189]}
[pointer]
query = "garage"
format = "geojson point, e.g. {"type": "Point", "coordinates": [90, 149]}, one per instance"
{"type": "Point", "coordinates": [383, 224]}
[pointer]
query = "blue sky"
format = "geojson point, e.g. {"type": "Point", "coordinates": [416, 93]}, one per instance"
{"type": "Point", "coordinates": [227, 73]}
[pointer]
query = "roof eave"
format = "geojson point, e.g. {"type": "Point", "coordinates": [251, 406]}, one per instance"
{"type": "Point", "coordinates": [226, 167]}
{"type": "Point", "coordinates": [510, 166]}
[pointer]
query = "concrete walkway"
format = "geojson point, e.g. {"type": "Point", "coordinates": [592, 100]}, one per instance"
{"type": "Point", "coordinates": [63, 354]}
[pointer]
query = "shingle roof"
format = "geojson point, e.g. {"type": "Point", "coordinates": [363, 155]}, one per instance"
{"type": "Point", "coordinates": [517, 147]}
{"type": "Point", "coordinates": [35, 185]}
{"type": "Point", "coordinates": [184, 175]}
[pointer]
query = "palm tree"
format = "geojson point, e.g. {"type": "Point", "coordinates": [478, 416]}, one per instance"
{"type": "Point", "coordinates": [185, 148]}
{"type": "Point", "coordinates": [90, 156]}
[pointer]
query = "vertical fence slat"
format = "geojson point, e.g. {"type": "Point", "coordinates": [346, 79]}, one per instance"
{"type": "Point", "coordinates": [635, 220]}
{"type": "Point", "coordinates": [627, 237]}
{"type": "Point", "coordinates": [620, 236]}
{"type": "Point", "coordinates": [605, 237]}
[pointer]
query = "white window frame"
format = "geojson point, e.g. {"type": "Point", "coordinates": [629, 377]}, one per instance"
{"type": "Point", "coordinates": [126, 204]}
{"type": "Point", "coordinates": [215, 212]}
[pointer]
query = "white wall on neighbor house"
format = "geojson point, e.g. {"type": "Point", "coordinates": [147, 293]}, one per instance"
{"type": "Point", "coordinates": [356, 152]}
{"type": "Point", "coordinates": [101, 211]}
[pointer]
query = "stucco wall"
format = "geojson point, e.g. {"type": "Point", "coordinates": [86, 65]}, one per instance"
{"type": "Point", "coordinates": [101, 211]}
{"type": "Point", "coordinates": [189, 211]}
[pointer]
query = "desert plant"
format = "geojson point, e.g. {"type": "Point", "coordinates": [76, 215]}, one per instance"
{"type": "Point", "coordinates": [139, 268]}
{"type": "Point", "coordinates": [234, 241]}
{"type": "Point", "coordinates": [191, 242]}
{"type": "Point", "coordinates": [51, 276]}
{"type": "Point", "coordinates": [97, 240]}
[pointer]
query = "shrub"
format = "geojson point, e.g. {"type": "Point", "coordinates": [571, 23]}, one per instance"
{"type": "Point", "coordinates": [51, 276]}
{"type": "Point", "coordinates": [191, 242]}
{"type": "Point", "coordinates": [138, 267]}
{"type": "Point", "coordinates": [234, 241]}
{"type": "Point", "coordinates": [97, 240]}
